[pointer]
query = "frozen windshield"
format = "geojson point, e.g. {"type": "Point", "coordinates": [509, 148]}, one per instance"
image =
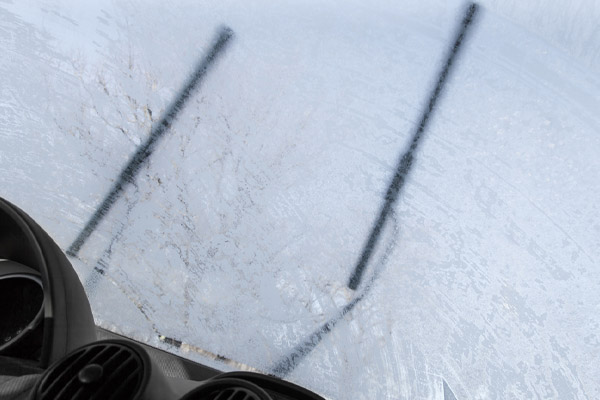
{"type": "Point", "coordinates": [222, 178]}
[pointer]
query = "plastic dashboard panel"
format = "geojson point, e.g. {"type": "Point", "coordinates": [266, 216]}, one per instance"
{"type": "Point", "coordinates": [115, 369]}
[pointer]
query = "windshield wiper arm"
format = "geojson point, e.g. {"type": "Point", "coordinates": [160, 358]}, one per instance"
{"type": "Point", "coordinates": [289, 362]}
{"type": "Point", "coordinates": [406, 161]}
{"type": "Point", "coordinates": [144, 151]}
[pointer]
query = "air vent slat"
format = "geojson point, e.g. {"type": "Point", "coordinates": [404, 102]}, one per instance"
{"type": "Point", "coordinates": [125, 389]}
{"type": "Point", "coordinates": [240, 395]}
{"type": "Point", "coordinates": [115, 363]}
{"type": "Point", "coordinates": [110, 369]}
{"type": "Point", "coordinates": [114, 386]}
{"type": "Point", "coordinates": [224, 395]}
{"type": "Point", "coordinates": [61, 383]}
{"type": "Point", "coordinates": [104, 355]}
{"type": "Point", "coordinates": [227, 389]}
{"type": "Point", "coordinates": [56, 375]}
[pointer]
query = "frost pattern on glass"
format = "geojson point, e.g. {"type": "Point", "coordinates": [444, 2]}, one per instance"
{"type": "Point", "coordinates": [236, 240]}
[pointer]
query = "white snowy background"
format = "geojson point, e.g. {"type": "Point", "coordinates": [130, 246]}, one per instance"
{"type": "Point", "coordinates": [239, 235]}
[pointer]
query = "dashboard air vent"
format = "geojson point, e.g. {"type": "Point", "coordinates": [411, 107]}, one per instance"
{"type": "Point", "coordinates": [107, 370]}
{"type": "Point", "coordinates": [227, 389]}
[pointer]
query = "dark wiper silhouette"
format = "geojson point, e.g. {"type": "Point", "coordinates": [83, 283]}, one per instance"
{"type": "Point", "coordinates": [289, 362]}
{"type": "Point", "coordinates": [406, 161]}
{"type": "Point", "coordinates": [144, 151]}
{"type": "Point", "coordinates": [127, 176]}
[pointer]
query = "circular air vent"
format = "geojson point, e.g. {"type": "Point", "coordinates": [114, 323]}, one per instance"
{"type": "Point", "coordinates": [227, 389]}
{"type": "Point", "coordinates": [272, 385]}
{"type": "Point", "coordinates": [111, 369]}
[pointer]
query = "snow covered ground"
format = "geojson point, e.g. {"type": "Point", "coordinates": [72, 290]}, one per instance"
{"type": "Point", "coordinates": [238, 237]}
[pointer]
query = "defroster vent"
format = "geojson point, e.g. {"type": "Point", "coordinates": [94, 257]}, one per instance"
{"type": "Point", "coordinates": [107, 370]}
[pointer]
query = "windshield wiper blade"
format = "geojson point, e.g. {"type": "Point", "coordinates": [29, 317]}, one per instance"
{"type": "Point", "coordinates": [129, 172]}
{"type": "Point", "coordinates": [290, 361]}
{"type": "Point", "coordinates": [406, 161]}
{"type": "Point", "coordinates": [287, 364]}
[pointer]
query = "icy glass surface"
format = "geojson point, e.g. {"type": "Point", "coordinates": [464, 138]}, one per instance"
{"type": "Point", "coordinates": [234, 243]}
